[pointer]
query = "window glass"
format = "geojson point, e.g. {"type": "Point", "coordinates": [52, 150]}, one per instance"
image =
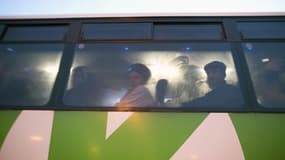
{"type": "Point", "coordinates": [191, 32]}
{"type": "Point", "coordinates": [47, 33]}
{"type": "Point", "coordinates": [28, 72]}
{"type": "Point", "coordinates": [115, 74]}
{"type": "Point", "coordinates": [262, 30]}
{"type": "Point", "coordinates": [117, 31]}
{"type": "Point", "coordinates": [267, 67]}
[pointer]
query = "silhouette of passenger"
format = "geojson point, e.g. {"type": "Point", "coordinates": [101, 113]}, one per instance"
{"type": "Point", "coordinates": [270, 84]}
{"type": "Point", "coordinates": [186, 87]}
{"type": "Point", "coordinates": [83, 90]}
{"type": "Point", "coordinates": [221, 94]}
{"type": "Point", "coordinates": [192, 87]}
{"type": "Point", "coordinates": [160, 91]}
{"type": "Point", "coordinates": [138, 95]}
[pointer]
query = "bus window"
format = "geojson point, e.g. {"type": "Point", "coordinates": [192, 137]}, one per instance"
{"type": "Point", "coordinates": [188, 31]}
{"type": "Point", "coordinates": [100, 75]}
{"type": "Point", "coordinates": [28, 72]}
{"type": "Point", "coordinates": [267, 67]}
{"type": "Point", "coordinates": [113, 31]}
{"type": "Point", "coordinates": [262, 30]}
{"type": "Point", "coordinates": [35, 33]}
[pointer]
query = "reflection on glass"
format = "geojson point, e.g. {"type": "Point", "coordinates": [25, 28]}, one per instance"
{"type": "Point", "coordinates": [267, 67]}
{"type": "Point", "coordinates": [175, 70]}
{"type": "Point", "coordinates": [28, 72]}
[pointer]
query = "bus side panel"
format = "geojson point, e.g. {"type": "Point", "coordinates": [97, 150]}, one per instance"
{"type": "Point", "coordinates": [7, 118]}
{"type": "Point", "coordinates": [262, 136]}
{"type": "Point", "coordinates": [82, 135]}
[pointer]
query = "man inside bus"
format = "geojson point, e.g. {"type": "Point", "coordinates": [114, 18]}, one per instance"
{"type": "Point", "coordinates": [138, 95]}
{"type": "Point", "coordinates": [221, 94]}
{"type": "Point", "coordinates": [83, 88]}
{"type": "Point", "coordinates": [270, 83]}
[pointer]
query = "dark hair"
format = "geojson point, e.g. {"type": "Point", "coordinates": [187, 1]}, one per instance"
{"type": "Point", "coordinates": [215, 65]}
{"type": "Point", "coordinates": [141, 69]}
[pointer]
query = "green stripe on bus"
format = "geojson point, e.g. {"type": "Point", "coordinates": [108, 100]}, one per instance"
{"type": "Point", "coordinates": [77, 135]}
{"type": "Point", "coordinates": [81, 135]}
{"type": "Point", "coordinates": [7, 119]}
{"type": "Point", "coordinates": [262, 136]}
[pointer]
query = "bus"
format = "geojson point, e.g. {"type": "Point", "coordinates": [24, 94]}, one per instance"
{"type": "Point", "coordinates": [63, 80]}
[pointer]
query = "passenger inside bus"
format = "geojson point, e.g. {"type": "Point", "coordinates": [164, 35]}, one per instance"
{"type": "Point", "coordinates": [191, 86]}
{"type": "Point", "coordinates": [271, 82]}
{"type": "Point", "coordinates": [221, 94]}
{"type": "Point", "coordinates": [84, 90]}
{"type": "Point", "coordinates": [137, 95]}
{"type": "Point", "coordinates": [160, 92]}
{"type": "Point", "coordinates": [188, 85]}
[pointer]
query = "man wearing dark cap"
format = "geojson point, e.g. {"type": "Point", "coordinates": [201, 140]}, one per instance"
{"type": "Point", "coordinates": [222, 94]}
{"type": "Point", "coordinates": [138, 95]}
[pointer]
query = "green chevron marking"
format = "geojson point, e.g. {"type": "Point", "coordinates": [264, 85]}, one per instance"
{"type": "Point", "coordinates": [7, 119]}
{"type": "Point", "coordinates": [261, 135]}
{"type": "Point", "coordinates": [77, 135]}
{"type": "Point", "coordinates": [81, 135]}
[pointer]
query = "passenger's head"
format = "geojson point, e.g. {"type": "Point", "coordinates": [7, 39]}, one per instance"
{"type": "Point", "coordinates": [138, 74]}
{"type": "Point", "coordinates": [79, 75]}
{"type": "Point", "coordinates": [216, 73]}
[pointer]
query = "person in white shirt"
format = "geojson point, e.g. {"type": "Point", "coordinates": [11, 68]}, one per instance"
{"type": "Point", "coordinates": [138, 95]}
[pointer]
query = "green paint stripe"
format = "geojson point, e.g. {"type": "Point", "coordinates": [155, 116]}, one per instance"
{"type": "Point", "coordinates": [151, 135]}
{"type": "Point", "coordinates": [7, 119]}
{"type": "Point", "coordinates": [262, 136]}
{"type": "Point", "coordinates": [76, 135]}
{"type": "Point", "coordinates": [81, 135]}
